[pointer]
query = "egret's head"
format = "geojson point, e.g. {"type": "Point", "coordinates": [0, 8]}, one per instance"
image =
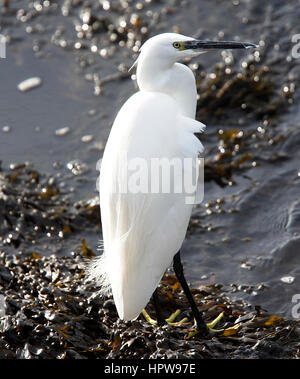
{"type": "Point", "coordinates": [173, 47]}
{"type": "Point", "coordinates": [158, 54]}
{"type": "Point", "coordinates": [169, 46]}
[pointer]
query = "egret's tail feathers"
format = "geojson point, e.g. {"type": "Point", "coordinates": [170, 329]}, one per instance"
{"type": "Point", "coordinates": [96, 271]}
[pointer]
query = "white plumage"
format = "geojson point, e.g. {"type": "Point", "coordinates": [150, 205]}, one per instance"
{"type": "Point", "coordinates": [143, 231]}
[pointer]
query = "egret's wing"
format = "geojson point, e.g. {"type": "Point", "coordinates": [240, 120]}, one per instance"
{"type": "Point", "coordinates": [142, 231]}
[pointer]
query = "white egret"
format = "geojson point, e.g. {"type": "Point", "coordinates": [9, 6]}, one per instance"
{"type": "Point", "coordinates": [143, 232]}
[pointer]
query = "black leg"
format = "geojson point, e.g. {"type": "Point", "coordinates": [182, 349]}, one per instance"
{"type": "Point", "coordinates": [159, 317]}
{"type": "Point", "coordinates": [178, 269]}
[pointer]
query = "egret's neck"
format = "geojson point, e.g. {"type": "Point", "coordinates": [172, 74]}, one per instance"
{"type": "Point", "coordinates": [176, 80]}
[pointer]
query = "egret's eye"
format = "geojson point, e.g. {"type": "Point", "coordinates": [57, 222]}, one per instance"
{"type": "Point", "coordinates": [176, 45]}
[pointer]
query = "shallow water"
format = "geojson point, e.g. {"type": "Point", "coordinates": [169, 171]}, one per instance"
{"type": "Point", "coordinates": [251, 235]}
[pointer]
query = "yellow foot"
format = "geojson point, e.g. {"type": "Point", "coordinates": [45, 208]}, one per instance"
{"type": "Point", "coordinates": [210, 327]}
{"type": "Point", "coordinates": [212, 324]}
{"type": "Point", "coordinates": [148, 318]}
{"type": "Point", "coordinates": [172, 318]}
{"type": "Point", "coordinates": [169, 320]}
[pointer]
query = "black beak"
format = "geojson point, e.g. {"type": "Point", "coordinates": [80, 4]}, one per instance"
{"type": "Point", "coordinates": [204, 45]}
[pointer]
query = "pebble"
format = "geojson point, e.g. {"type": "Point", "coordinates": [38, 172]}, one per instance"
{"type": "Point", "coordinates": [246, 265]}
{"type": "Point", "coordinates": [87, 138]}
{"type": "Point", "coordinates": [30, 83]}
{"type": "Point", "coordinates": [288, 279]}
{"type": "Point", "coordinates": [6, 129]}
{"type": "Point", "coordinates": [97, 145]}
{"type": "Point", "coordinates": [77, 167]}
{"type": "Point", "coordinates": [92, 112]}
{"type": "Point", "coordinates": [62, 131]}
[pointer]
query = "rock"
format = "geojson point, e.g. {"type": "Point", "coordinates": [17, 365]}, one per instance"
{"type": "Point", "coordinates": [29, 84]}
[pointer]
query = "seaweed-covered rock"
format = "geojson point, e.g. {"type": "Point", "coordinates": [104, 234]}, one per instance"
{"type": "Point", "coordinates": [60, 317]}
